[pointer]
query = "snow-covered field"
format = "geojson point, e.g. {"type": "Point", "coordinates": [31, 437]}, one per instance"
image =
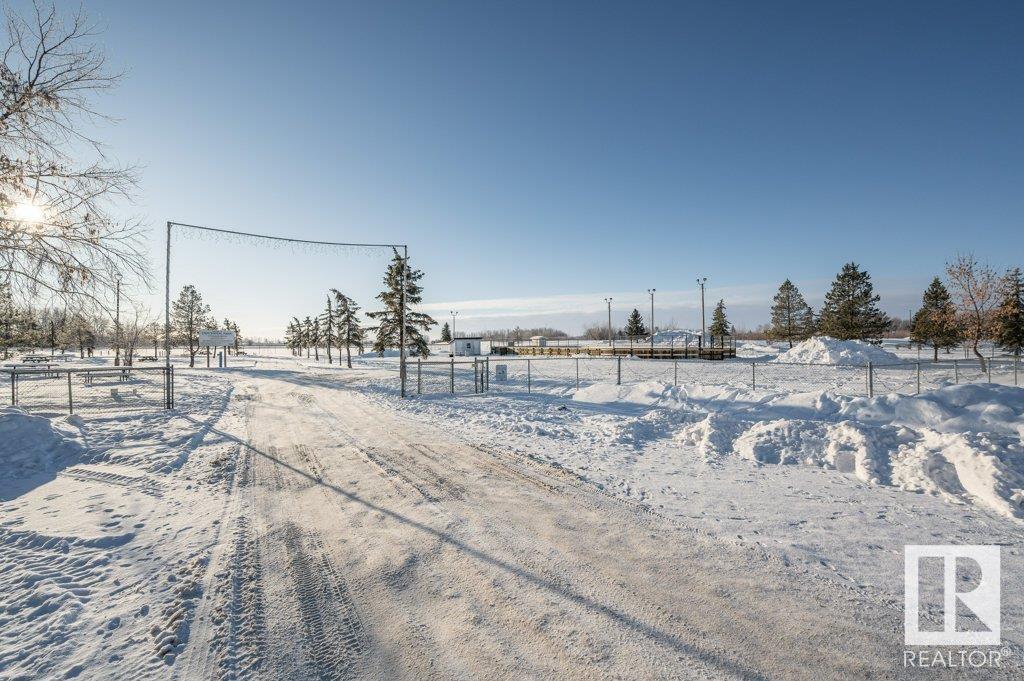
{"type": "Point", "coordinates": [294, 519]}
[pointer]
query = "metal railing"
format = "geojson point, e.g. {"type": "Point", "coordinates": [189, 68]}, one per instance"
{"type": "Point", "coordinates": [88, 390]}
{"type": "Point", "coordinates": [562, 375]}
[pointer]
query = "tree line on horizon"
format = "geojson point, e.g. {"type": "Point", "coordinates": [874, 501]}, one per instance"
{"type": "Point", "coordinates": [978, 305]}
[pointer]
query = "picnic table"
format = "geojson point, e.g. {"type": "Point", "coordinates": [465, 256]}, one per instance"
{"type": "Point", "coordinates": [44, 369]}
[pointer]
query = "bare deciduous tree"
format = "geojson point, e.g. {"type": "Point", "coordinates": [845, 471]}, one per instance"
{"type": "Point", "coordinates": [975, 289]}
{"type": "Point", "coordinates": [57, 233]}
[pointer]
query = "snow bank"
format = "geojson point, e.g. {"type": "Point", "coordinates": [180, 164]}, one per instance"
{"type": "Point", "coordinates": [827, 350]}
{"type": "Point", "coordinates": [963, 442]}
{"type": "Point", "coordinates": [33, 444]}
{"type": "Point", "coordinates": [676, 336]}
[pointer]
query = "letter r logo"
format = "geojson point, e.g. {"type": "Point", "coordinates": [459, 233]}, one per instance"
{"type": "Point", "coordinates": [983, 600]}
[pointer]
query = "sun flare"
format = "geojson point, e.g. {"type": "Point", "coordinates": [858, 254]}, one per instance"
{"type": "Point", "coordinates": [27, 211]}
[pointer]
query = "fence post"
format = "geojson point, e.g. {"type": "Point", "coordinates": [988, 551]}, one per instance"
{"type": "Point", "coordinates": [618, 373]}
{"type": "Point", "coordinates": [753, 375]}
{"type": "Point", "coordinates": [956, 373]}
{"type": "Point", "coordinates": [577, 373]}
{"type": "Point", "coordinates": [14, 388]}
{"type": "Point", "coordinates": [871, 380]}
{"type": "Point", "coordinates": [419, 376]}
{"type": "Point", "coordinates": [918, 379]}
{"type": "Point", "coordinates": [988, 365]}
{"type": "Point", "coordinates": [451, 378]}
{"type": "Point", "coordinates": [71, 406]}
{"type": "Point", "coordinates": [1016, 363]}
{"type": "Point", "coordinates": [487, 387]}
{"type": "Point", "coordinates": [529, 380]}
{"type": "Point", "coordinates": [675, 372]}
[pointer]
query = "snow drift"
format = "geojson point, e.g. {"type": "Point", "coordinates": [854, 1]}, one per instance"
{"type": "Point", "coordinates": [33, 444]}
{"type": "Point", "coordinates": [962, 443]}
{"type": "Point", "coordinates": [827, 350]}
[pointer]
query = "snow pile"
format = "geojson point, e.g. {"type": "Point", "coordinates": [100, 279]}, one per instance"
{"type": "Point", "coordinates": [676, 337]}
{"type": "Point", "coordinates": [33, 444]}
{"type": "Point", "coordinates": [962, 443]}
{"type": "Point", "coordinates": [827, 350]}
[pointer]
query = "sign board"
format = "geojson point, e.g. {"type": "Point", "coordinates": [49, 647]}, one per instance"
{"type": "Point", "coordinates": [216, 338]}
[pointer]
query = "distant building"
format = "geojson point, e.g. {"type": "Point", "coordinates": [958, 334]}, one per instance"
{"type": "Point", "coordinates": [539, 341]}
{"type": "Point", "coordinates": [465, 346]}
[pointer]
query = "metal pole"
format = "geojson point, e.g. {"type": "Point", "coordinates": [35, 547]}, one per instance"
{"type": "Point", "coordinates": [14, 389]}
{"type": "Point", "coordinates": [651, 291]}
{"type": "Point", "coordinates": [71, 406]}
{"type": "Point", "coordinates": [167, 301]}
{"type": "Point", "coordinates": [577, 373]}
{"type": "Point", "coordinates": [918, 379]}
{"type": "Point", "coordinates": [117, 322]}
{"type": "Point", "coordinates": [401, 332]}
{"type": "Point", "coordinates": [618, 371]}
{"type": "Point", "coordinates": [451, 377]}
{"type": "Point", "coordinates": [675, 372]}
{"type": "Point", "coordinates": [529, 378]}
{"type": "Point", "coordinates": [753, 375]}
{"type": "Point", "coordinates": [703, 326]}
{"type": "Point", "coordinates": [611, 338]}
{"type": "Point", "coordinates": [956, 373]}
{"type": "Point", "coordinates": [871, 380]}
{"type": "Point", "coordinates": [419, 376]}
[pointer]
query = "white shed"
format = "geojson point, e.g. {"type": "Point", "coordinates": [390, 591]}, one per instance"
{"type": "Point", "coordinates": [539, 341]}
{"type": "Point", "coordinates": [466, 346]}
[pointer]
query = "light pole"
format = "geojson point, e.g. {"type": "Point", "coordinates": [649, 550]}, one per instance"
{"type": "Point", "coordinates": [611, 338]}
{"type": "Point", "coordinates": [651, 291]}
{"type": "Point", "coordinates": [454, 314]}
{"type": "Point", "coordinates": [703, 327]}
{"type": "Point", "coordinates": [117, 322]}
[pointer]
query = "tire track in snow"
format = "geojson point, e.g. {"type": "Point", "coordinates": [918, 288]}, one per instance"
{"type": "Point", "coordinates": [333, 635]}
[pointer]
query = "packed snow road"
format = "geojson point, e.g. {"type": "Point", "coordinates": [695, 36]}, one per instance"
{"type": "Point", "coordinates": [365, 545]}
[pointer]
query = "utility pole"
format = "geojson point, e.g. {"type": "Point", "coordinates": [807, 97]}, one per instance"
{"type": "Point", "coordinates": [117, 322]}
{"type": "Point", "coordinates": [651, 291]}
{"type": "Point", "coordinates": [703, 325]}
{"type": "Point", "coordinates": [611, 338]}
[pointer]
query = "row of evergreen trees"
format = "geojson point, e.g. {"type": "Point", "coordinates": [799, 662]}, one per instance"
{"type": "Point", "coordinates": [984, 306]}
{"type": "Point", "coordinates": [338, 326]}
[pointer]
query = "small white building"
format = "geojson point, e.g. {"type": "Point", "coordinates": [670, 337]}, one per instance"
{"type": "Point", "coordinates": [539, 341]}
{"type": "Point", "coordinates": [466, 346]}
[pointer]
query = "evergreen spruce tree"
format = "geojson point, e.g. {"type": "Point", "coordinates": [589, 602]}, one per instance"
{"type": "Point", "coordinates": [299, 338]}
{"type": "Point", "coordinates": [719, 324]}
{"type": "Point", "coordinates": [792, 317]}
{"type": "Point", "coordinates": [310, 334]}
{"type": "Point", "coordinates": [635, 327]}
{"type": "Point", "coordinates": [328, 323]}
{"type": "Point", "coordinates": [189, 315]}
{"type": "Point", "coordinates": [389, 319]}
{"type": "Point", "coordinates": [350, 333]}
{"type": "Point", "coordinates": [10, 319]}
{"type": "Point", "coordinates": [850, 311]}
{"type": "Point", "coordinates": [1009, 318]}
{"type": "Point", "coordinates": [446, 333]}
{"type": "Point", "coordinates": [935, 324]}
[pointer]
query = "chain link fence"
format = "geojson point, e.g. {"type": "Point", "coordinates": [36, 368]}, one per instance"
{"type": "Point", "coordinates": [563, 375]}
{"type": "Point", "coordinates": [103, 391]}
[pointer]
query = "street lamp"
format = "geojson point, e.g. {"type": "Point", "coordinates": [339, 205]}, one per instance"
{"type": "Point", "coordinates": [454, 314]}
{"type": "Point", "coordinates": [117, 321]}
{"type": "Point", "coordinates": [703, 326]}
{"type": "Point", "coordinates": [611, 338]}
{"type": "Point", "coordinates": [651, 292]}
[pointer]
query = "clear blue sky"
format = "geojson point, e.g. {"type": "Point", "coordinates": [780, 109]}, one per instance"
{"type": "Point", "coordinates": [539, 156]}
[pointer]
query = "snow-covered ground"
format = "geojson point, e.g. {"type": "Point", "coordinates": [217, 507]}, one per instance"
{"type": "Point", "coordinates": [291, 518]}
